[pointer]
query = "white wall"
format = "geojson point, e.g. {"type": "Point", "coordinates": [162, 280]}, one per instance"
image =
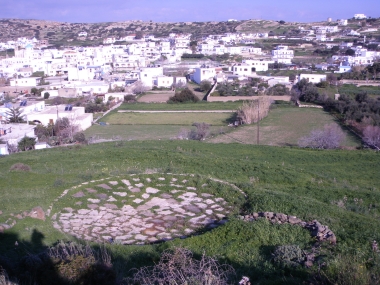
{"type": "Point", "coordinates": [313, 78]}
{"type": "Point", "coordinates": [201, 74]}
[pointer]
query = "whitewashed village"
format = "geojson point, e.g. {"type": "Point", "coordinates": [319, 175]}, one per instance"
{"type": "Point", "coordinates": [137, 63]}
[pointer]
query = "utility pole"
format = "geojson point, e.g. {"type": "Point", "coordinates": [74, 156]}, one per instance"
{"type": "Point", "coordinates": [58, 127]}
{"type": "Point", "coordinates": [258, 121]}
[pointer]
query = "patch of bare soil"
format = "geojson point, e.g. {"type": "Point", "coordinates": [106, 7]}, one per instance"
{"type": "Point", "coordinates": [156, 97]}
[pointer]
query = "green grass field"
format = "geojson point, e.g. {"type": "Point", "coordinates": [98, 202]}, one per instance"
{"type": "Point", "coordinates": [200, 106]}
{"type": "Point", "coordinates": [284, 127]}
{"type": "Point", "coordinates": [186, 119]}
{"type": "Point", "coordinates": [339, 188]}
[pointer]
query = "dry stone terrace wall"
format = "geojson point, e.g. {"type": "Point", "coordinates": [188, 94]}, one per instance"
{"type": "Point", "coordinates": [317, 230]}
{"type": "Point", "coordinates": [139, 209]}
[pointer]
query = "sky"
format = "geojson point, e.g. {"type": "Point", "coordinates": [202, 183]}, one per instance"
{"type": "Point", "coordinates": [92, 11]}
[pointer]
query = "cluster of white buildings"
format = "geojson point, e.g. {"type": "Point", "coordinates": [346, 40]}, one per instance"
{"type": "Point", "coordinates": [38, 113]}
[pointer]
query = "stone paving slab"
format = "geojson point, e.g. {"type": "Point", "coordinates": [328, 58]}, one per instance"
{"type": "Point", "coordinates": [140, 214]}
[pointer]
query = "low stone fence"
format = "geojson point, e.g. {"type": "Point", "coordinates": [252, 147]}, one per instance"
{"type": "Point", "coordinates": [246, 98]}
{"type": "Point", "coordinates": [316, 229]}
{"type": "Point", "coordinates": [308, 106]}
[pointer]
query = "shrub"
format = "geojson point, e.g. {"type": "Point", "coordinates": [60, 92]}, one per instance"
{"type": "Point", "coordinates": [186, 95]}
{"type": "Point", "coordinates": [80, 264]}
{"type": "Point", "coordinates": [350, 269]}
{"type": "Point", "coordinates": [288, 255]}
{"type": "Point", "coordinates": [129, 98]}
{"type": "Point", "coordinates": [205, 85]}
{"type": "Point", "coordinates": [201, 132]}
{"type": "Point", "coordinates": [322, 84]}
{"type": "Point", "coordinates": [20, 167]}
{"type": "Point", "coordinates": [46, 95]}
{"type": "Point", "coordinates": [26, 143]}
{"type": "Point", "coordinates": [371, 136]}
{"type": "Point", "coordinates": [331, 136]}
{"type": "Point", "coordinates": [80, 137]}
{"type": "Point", "coordinates": [253, 111]}
{"type": "Point", "coordinates": [179, 267]}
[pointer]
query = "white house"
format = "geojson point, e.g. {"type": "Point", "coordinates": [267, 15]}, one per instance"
{"type": "Point", "coordinates": [13, 133]}
{"type": "Point", "coordinates": [234, 50]}
{"type": "Point", "coordinates": [117, 97]}
{"type": "Point", "coordinates": [342, 22]}
{"type": "Point", "coordinates": [91, 87]}
{"type": "Point", "coordinates": [360, 16]}
{"type": "Point", "coordinates": [254, 50]}
{"type": "Point", "coordinates": [313, 78]}
{"type": "Point", "coordinates": [148, 74]}
{"type": "Point", "coordinates": [344, 67]}
{"type": "Point", "coordinates": [243, 69]}
{"type": "Point", "coordinates": [284, 80]}
{"type": "Point", "coordinates": [49, 115]}
{"type": "Point", "coordinates": [25, 106]}
{"type": "Point", "coordinates": [4, 149]}
{"type": "Point", "coordinates": [164, 81]}
{"type": "Point", "coordinates": [25, 82]}
{"type": "Point", "coordinates": [282, 54]}
{"type": "Point", "coordinates": [203, 73]}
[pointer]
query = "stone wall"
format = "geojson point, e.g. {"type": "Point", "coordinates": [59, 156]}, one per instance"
{"type": "Point", "coordinates": [316, 229]}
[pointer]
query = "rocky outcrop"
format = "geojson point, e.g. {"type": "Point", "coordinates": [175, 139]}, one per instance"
{"type": "Point", "coordinates": [37, 213]}
{"type": "Point", "coordinates": [316, 229]}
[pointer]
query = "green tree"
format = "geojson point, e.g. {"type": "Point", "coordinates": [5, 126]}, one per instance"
{"type": "Point", "coordinates": [186, 95]}
{"type": "Point", "coordinates": [14, 115]}
{"type": "Point", "coordinates": [36, 91]}
{"type": "Point", "coordinates": [139, 35]}
{"type": "Point", "coordinates": [350, 52]}
{"type": "Point", "coordinates": [193, 46]}
{"type": "Point", "coordinates": [26, 143]}
{"type": "Point", "coordinates": [205, 85]}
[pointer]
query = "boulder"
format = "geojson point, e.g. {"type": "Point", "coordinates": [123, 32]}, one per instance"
{"type": "Point", "coordinates": [282, 217]}
{"type": "Point", "coordinates": [269, 215]}
{"type": "Point", "coordinates": [37, 213]}
{"type": "Point", "coordinates": [293, 220]}
{"type": "Point", "coordinates": [331, 239]}
{"type": "Point", "coordinates": [5, 226]}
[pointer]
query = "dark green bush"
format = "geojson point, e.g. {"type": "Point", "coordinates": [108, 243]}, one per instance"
{"type": "Point", "coordinates": [288, 255]}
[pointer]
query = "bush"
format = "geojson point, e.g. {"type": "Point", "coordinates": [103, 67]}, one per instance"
{"type": "Point", "coordinates": [80, 137]}
{"type": "Point", "coordinates": [46, 95]}
{"type": "Point", "coordinates": [80, 264]}
{"type": "Point", "coordinates": [201, 132]}
{"type": "Point", "coordinates": [330, 137]}
{"type": "Point", "coordinates": [179, 267]}
{"type": "Point", "coordinates": [371, 136]}
{"type": "Point", "coordinates": [288, 256]}
{"type": "Point", "coordinates": [322, 84]}
{"type": "Point", "coordinates": [205, 85]}
{"type": "Point", "coordinates": [20, 167]}
{"type": "Point", "coordinates": [253, 111]}
{"type": "Point", "coordinates": [186, 95]}
{"type": "Point", "coordinates": [129, 98]}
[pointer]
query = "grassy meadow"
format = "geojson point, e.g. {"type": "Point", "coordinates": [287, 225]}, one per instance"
{"type": "Point", "coordinates": [186, 119]}
{"type": "Point", "coordinates": [284, 127]}
{"type": "Point", "coordinates": [339, 188]}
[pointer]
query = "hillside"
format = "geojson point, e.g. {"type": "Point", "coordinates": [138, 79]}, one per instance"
{"type": "Point", "coordinates": [60, 33]}
{"type": "Point", "coordinates": [338, 188]}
